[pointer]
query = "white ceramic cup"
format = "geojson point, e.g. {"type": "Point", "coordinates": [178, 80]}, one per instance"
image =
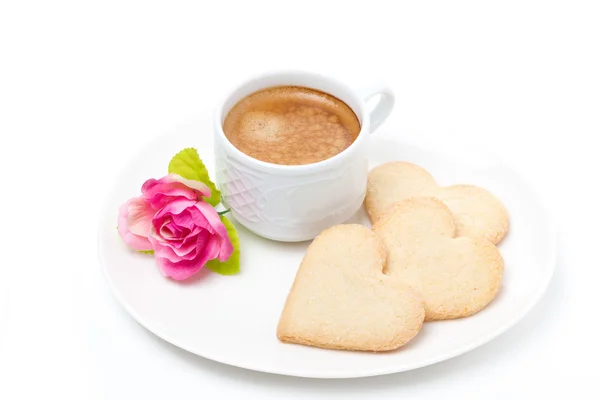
{"type": "Point", "coordinates": [293, 203]}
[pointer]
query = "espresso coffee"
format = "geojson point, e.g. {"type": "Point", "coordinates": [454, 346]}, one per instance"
{"type": "Point", "coordinates": [291, 125]}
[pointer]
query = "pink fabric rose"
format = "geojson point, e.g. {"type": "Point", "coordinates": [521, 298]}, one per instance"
{"type": "Point", "coordinates": [171, 218]}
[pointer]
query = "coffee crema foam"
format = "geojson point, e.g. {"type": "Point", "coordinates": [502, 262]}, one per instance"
{"type": "Point", "coordinates": [291, 125]}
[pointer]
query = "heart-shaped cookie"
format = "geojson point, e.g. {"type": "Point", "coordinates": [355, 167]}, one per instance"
{"type": "Point", "coordinates": [341, 299]}
{"type": "Point", "coordinates": [456, 276]}
{"type": "Point", "coordinates": [477, 212]}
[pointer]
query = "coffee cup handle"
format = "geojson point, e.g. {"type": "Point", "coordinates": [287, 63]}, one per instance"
{"type": "Point", "coordinates": [384, 106]}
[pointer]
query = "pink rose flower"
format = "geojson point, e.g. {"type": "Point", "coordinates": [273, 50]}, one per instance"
{"type": "Point", "coordinates": [171, 218]}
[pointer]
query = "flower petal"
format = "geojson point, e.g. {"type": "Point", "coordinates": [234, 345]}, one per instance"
{"type": "Point", "coordinates": [182, 269]}
{"type": "Point", "coordinates": [166, 232]}
{"type": "Point", "coordinates": [139, 216]}
{"type": "Point", "coordinates": [181, 242]}
{"type": "Point", "coordinates": [196, 185]}
{"type": "Point", "coordinates": [193, 217]}
{"type": "Point", "coordinates": [225, 248]}
{"type": "Point", "coordinates": [184, 240]}
{"type": "Point", "coordinates": [137, 242]}
{"type": "Point", "coordinates": [187, 250]}
{"type": "Point", "coordinates": [178, 232]}
{"type": "Point", "coordinates": [209, 244]}
{"type": "Point", "coordinates": [160, 192]}
{"type": "Point", "coordinates": [175, 207]}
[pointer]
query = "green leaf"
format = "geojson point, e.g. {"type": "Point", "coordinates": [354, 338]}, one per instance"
{"type": "Point", "coordinates": [187, 163]}
{"type": "Point", "coordinates": [232, 265]}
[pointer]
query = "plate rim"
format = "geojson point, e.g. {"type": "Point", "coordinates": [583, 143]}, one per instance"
{"type": "Point", "coordinates": [551, 237]}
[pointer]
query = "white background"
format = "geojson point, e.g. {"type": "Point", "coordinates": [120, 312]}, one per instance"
{"type": "Point", "coordinates": [85, 84]}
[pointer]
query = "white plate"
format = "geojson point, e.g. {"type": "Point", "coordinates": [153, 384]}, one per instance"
{"type": "Point", "coordinates": [233, 319]}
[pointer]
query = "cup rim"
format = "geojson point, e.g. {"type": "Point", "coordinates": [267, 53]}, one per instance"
{"type": "Point", "coordinates": [361, 112]}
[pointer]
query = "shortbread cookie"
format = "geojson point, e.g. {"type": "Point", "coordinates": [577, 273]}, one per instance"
{"type": "Point", "coordinates": [456, 276]}
{"type": "Point", "coordinates": [477, 212]}
{"type": "Point", "coordinates": [341, 299]}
